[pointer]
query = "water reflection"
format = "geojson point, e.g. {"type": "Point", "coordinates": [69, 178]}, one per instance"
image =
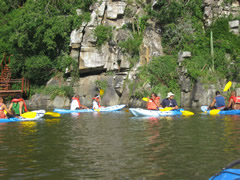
{"type": "Point", "coordinates": [118, 146]}
{"type": "Point", "coordinates": [231, 133]}
{"type": "Point", "coordinates": [28, 127]}
{"type": "Point", "coordinates": [52, 121]}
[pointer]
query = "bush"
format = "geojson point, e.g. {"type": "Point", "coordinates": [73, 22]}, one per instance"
{"type": "Point", "coordinates": [53, 91]}
{"type": "Point", "coordinates": [103, 34]}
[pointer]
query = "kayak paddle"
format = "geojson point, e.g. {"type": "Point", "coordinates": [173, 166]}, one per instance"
{"type": "Point", "coordinates": [53, 114]}
{"type": "Point", "coordinates": [214, 111]}
{"type": "Point", "coordinates": [101, 92]}
{"type": "Point", "coordinates": [227, 86]}
{"type": "Point", "coordinates": [29, 115]}
{"type": "Point", "coordinates": [185, 113]}
{"type": "Point", "coordinates": [166, 109]}
{"type": "Point", "coordinates": [145, 99]}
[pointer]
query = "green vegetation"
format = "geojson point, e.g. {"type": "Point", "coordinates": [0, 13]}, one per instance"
{"type": "Point", "coordinates": [161, 74]}
{"type": "Point", "coordinates": [37, 34]}
{"type": "Point", "coordinates": [53, 91]}
{"type": "Point", "coordinates": [103, 34]}
{"type": "Point", "coordinates": [101, 84]}
{"type": "Point", "coordinates": [182, 30]}
{"type": "Point", "coordinates": [133, 43]}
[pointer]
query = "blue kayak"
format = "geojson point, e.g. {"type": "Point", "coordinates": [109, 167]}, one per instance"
{"type": "Point", "coordinates": [103, 109]}
{"type": "Point", "coordinates": [227, 112]}
{"type": "Point", "coordinates": [40, 114]}
{"type": "Point", "coordinates": [228, 173]}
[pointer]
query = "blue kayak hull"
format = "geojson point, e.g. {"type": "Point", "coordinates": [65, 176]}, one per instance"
{"type": "Point", "coordinates": [227, 112]}
{"type": "Point", "coordinates": [40, 114]}
{"type": "Point", "coordinates": [105, 109]}
{"type": "Point", "coordinates": [227, 174]}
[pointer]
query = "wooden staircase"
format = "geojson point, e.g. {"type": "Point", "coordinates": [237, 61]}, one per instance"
{"type": "Point", "coordinates": [6, 83]}
{"type": "Point", "coordinates": [5, 78]}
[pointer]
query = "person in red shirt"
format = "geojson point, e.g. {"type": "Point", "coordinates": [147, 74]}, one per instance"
{"type": "Point", "coordinates": [153, 102]}
{"type": "Point", "coordinates": [234, 101]}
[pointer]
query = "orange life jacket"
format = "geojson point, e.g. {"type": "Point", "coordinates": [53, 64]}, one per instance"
{"type": "Point", "coordinates": [96, 99]}
{"type": "Point", "coordinates": [74, 98]}
{"type": "Point", "coordinates": [24, 104]}
{"type": "Point", "coordinates": [2, 114]}
{"type": "Point", "coordinates": [152, 104]}
{"type": "Point", "coordinates": [236, 99]}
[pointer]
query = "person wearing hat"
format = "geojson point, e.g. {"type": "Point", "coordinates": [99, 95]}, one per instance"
{"type": "Point", "coordinates": [96, 102]}
{"type": "Point", "coordinates": [169, 101]}
{"type": "Point", "coordinates": [218, 102]}
{"type": "Point", "coordinates": [75, 104]}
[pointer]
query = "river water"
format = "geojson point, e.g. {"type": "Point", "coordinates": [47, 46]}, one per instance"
{"type": "Point", "coordinates": [118, 146]}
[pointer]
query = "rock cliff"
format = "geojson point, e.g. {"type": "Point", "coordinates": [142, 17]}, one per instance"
{"type": "Point", "coordinates": [111, 64]}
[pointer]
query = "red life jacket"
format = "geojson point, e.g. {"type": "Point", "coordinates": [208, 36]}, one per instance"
{"type": "Point", "coordinates": [153, 104]}
{"type": "Point", "coordinates": [96, 98]}
{"type": "Point", "coordinates": [24, 104]}
{"type": "Point", "coordinates": [236, 99]}
{"type": "Point", "coordinates": [74, 98]}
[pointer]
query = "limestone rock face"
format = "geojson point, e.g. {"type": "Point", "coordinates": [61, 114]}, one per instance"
{"type": "Point", "coordinates": [86, 89]}
{"type": "Point", "coordinates": [151, 45]}
{"type": "Point", "coordinates": [40, 101]}
{"type": "Point", "coordinates": [214, 9]}
{"type": "Point", "coordinates": [60, 102]}
{"type": "Point", "coordinates": [110, 57]}
{"type": "Point", "coordinates": [114, 9]}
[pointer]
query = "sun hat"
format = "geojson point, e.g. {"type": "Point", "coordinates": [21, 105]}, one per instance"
{"type": "Point", "coordinates": [170, 94]}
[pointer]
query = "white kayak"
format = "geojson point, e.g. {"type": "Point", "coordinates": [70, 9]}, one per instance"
{"type": "Point", "coordinates": [153, 113]}
{"type": "Point", "coordinates": [40, 114]}
{"type": "Point", "coordinates": [103, 109]}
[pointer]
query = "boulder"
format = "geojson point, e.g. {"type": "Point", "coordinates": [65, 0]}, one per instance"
{"type": "Point", "coordinates": [234, 24]}
{"type": "Point", "coordinates": [61, 102]}
{"type": "Point", "coordinates": [114, 9]}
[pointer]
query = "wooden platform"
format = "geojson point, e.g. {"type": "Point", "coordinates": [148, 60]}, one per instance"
{"type": "Point", "coordinates": [9, 86]}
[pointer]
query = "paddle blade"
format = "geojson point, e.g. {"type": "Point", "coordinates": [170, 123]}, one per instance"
{"type": "Point", "coordinates": [227, 86]}
{"type": "Point", "coordinates": [29, 115]}
{"type": "Point", "coordinates": [145, 99]}
{"type": "Point", "coordinates": [187, 113]}
{"type": "Point", "coordinates": [214, 111]}
{"type": "Point", "coordinates": [166, 109]}
{"type": "Point", "coordinates": [53, 114]}
{"type": "Point", "coordinates": [101, 92]}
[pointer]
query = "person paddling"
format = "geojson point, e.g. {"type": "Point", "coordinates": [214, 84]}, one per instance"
{"type": "Point", "coordinates": [218, 102]}
{"type": "Point", "coordinates": [75, 104]}
{"type": "Point", "coordinates": [18, 105]}
{"type": "Point", "coordinates": [154, 102]}
{"type": "Point", "coordinates": [169, 101]}
{"type": "Point", "coordinates": [3, 107]}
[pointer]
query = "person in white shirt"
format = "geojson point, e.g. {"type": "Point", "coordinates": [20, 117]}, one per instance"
{"type": "Point", "coordinates": [96, 102]}
{"type": "Point", "coordinates": [75, 104]}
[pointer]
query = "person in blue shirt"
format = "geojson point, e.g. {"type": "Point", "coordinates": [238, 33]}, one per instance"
{"type": "Point", "coordinates": [169, 101]}
{"type": "Point", "coordinates": [218, 102]}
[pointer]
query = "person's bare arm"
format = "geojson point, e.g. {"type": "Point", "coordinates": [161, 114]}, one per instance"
{"type": "Point", "coordinates": [5, 108]}
{"type": "Point", "coordinates": [10, 107]}
{"type": "Point", "coordinates": [213, 103]}
{"type": "Point", "coordinates": [231, 102]}
{"type": "Point", "coordinates": [20, 107]}
{"type": "Point", "coordinates": [83, 107]}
